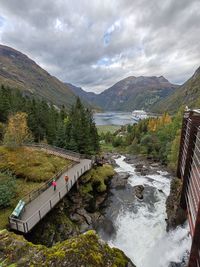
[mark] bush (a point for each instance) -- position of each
(7, 189)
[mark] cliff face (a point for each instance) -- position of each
(176, 215)
(83, 250)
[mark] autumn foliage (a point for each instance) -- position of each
(17, 131)
(156, 123)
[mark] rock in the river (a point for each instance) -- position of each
(123, 175)
(139, 167)
(119, 181)
(83, 250)
(138, 190)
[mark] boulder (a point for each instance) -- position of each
(84, 213)
(138, 190)
(118, 182)
(139, 167)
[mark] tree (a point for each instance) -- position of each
(7, 189)
(17, 131)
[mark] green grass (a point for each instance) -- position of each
(30, 164)
(107, 128)
(108, 147)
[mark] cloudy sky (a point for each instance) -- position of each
(95, 43)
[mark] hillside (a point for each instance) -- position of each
(136, 93)
(131, 93)
(86, 96)
(19, 71)
(186, 95)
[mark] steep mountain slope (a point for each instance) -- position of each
(87, 96)
(186, 95)
(135, 93)
(19, 71)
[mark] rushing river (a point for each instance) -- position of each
(141, 226)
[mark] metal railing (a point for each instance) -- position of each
(36, 192)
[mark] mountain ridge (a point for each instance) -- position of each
(17, 70)
(187, 94)
(130, 93)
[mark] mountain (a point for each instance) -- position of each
(19, 71)
(186, 95)
(134, 93)
(87, 96)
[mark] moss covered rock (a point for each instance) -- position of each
(96, 179)
(85, 250)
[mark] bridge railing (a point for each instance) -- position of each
(36, 192)
(63, 151)
(76, 156)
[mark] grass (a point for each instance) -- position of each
(107, 128)
(32, 168)
(108, 147)
(30, 164)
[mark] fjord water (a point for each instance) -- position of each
(113, 118)
(141, 226)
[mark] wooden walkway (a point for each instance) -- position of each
(37, 208)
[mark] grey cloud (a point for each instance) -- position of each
(67, 38)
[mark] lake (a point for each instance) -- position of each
(113, 118)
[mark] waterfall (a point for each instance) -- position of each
(141, 232)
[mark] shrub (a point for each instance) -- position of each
(7, 189)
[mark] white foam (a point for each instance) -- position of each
(142, 235)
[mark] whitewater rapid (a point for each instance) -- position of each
(142, 234)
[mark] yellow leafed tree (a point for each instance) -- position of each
(17, 131)
(155, 123)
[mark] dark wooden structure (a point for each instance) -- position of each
(189, 171)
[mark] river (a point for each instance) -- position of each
(140, 226)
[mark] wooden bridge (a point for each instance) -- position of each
(39, 202)
(189, 171)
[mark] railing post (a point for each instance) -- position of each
(17, 225)
(27, 226)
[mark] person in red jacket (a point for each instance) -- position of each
(54, 184)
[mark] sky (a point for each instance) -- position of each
(95, 43)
